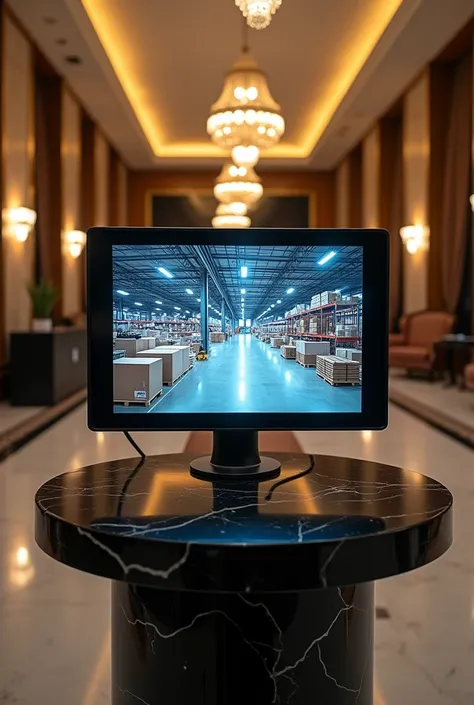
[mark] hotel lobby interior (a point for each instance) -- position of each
(354, 114)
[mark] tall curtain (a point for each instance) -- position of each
(457, 185)
(395, 223)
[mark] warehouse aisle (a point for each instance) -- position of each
(245, 374)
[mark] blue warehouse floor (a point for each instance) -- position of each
(245, 374)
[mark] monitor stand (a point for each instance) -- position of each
(235, 456)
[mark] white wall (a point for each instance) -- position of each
(101, 179)
(416, 156)
(342, 195)
(71, 175)
(18, 163)
(371, 179)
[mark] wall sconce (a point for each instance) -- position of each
(415, 237)
(471, 201)
(19, 222)
(75, 239)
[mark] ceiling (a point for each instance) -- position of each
(150, 69)
(271, 272)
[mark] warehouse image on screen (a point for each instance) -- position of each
(232, 329)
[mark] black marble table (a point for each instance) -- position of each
(243, 593)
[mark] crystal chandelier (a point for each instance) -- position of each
(258, 12)
(237, 183)
(231, 215)
(245, 115)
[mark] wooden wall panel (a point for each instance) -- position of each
(18, 163)
(88, 191)
(48, 176)
(440, 84)
(416, 170)
(71, 181)
(113, 189)
(354, 159)
(101, 166)
(342, 195)
(321, 186)
(371, 179)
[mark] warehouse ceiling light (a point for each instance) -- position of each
(165, 273)
(122, 292)
(19, 222)
(245, 115)
(279, 301)
(231, 215)
(158, 302)
(290, 290)
(244, 271)
(242, 291)
(190, 292)
(326, 258)
(237, 184)
(415, 237)
(258, 13)
(138, 304)
(177, 308)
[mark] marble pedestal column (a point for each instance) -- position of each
(296, 648)
(239, 593)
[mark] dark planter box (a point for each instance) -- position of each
(47, 367)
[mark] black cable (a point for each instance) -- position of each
(126, 485)
(285, 480)
(134, 444)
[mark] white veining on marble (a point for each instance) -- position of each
(275, 672)
(127, 567)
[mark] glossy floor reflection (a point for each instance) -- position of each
(255, 378)
(54, 623)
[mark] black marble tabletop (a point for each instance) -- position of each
(325, 522)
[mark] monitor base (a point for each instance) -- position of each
(203, 468)
(235, 456)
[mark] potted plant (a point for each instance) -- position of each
(43, 297)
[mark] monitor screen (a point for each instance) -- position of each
(214, 329)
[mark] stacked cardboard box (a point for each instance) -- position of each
(138, 379)
(329, 297)
(288, 352)
(216, 337)
(276, 342)
(316, 301)
(133, 346)
(173, 361)
(337, 370)
(307, 352)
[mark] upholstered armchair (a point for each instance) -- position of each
(422, 330)
(398, 338)
(469, 375)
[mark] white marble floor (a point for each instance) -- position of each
(54, 621)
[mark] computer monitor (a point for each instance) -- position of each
(210, 329)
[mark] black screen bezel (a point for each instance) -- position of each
(374, 414)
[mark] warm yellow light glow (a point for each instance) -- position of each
(114, 40)
(237, 184)
(231, 215)
(415, 237)
(22, 557)
(245, 112)
(246, 156)
(259, 13)
(75, 239)
(366, 436)
(19, 222)
(471, 201)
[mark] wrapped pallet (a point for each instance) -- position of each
(288, 352)
(338, 371)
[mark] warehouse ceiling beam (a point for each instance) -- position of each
(205, 256)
